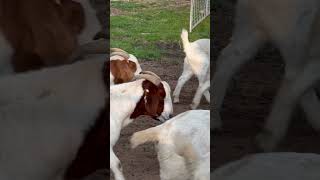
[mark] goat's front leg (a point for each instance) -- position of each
(185, 76)
(115, 166)
(245, 43)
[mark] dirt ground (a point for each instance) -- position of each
(249, 100)
(141, 163)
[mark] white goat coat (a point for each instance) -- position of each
(269, 166)
(183, 139)
(196, 62)
(44, 116)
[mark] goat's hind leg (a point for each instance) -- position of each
(185, 76)
(299, 59)
(203, 87)
(288, 95)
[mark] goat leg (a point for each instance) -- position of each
(277, 123)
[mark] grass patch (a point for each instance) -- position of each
(142, 26)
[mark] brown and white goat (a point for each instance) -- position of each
(38, 33)
(55, 110)
(55, 107)
(149, 96)
(123, 66)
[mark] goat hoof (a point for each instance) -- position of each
(193, 106)
(175, 100)
(266, 142)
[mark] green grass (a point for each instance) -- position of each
(140, 28)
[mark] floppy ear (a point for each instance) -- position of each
(53, 44)
(52, 38)
(132, 66)
(73, 13)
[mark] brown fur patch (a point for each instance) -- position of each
(154, 104)
(122, 70)
(41, 29)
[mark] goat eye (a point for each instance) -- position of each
(147, 91)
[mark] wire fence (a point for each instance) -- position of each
(199, 10)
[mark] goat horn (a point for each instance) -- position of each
(122, 54)
(117, 50)
(150, 73)
(152, 77)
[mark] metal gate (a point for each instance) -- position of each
(200, 9)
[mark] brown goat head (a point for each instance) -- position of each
(122, 70)
(151, 102)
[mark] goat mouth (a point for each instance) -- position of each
(160, 118)
(156, 118)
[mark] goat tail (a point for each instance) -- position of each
(148, 135)
(185, 38)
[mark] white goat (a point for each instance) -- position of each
(136, 98)
(45, 116)
(183, 145)
(292, 26)
(196, 62)
(266, 166)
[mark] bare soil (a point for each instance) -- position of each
(141, 163)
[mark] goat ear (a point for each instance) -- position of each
(132, 65)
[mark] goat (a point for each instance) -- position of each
(141, 97)
(123, 66)
(266, 166)
(197, 61)
(91, 153)
(48, 113)
(183, 145)
(44, 32)
(278, 22)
